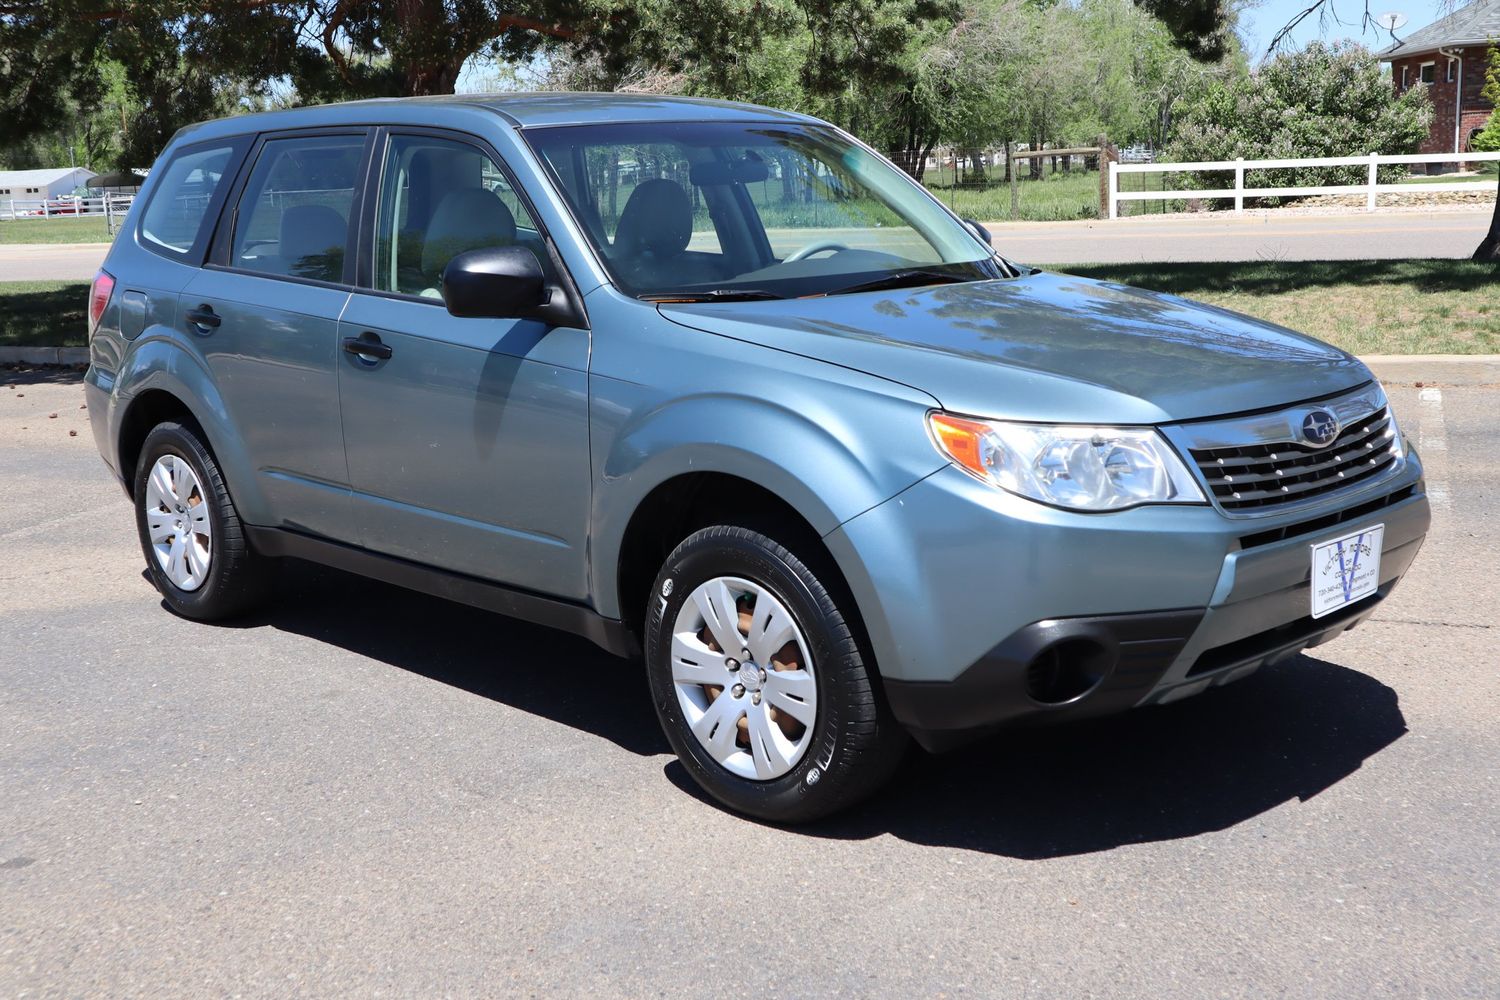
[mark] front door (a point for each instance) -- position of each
(267, 313)
(467, 439)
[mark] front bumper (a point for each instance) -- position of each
(970, 586)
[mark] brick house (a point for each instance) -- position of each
(1448, 57)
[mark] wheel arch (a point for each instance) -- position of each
(768, 465)
(163, 381)
(687, 502)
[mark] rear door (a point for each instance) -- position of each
(467, 438)
(266, 308)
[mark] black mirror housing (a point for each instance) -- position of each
(979, 230)
(494, 283)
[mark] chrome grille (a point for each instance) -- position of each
(1266, 474)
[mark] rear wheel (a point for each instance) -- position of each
(195, 546)
(759, 683)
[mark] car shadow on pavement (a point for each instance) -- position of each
(1286, 733)
(1205, 764)
(538, 670)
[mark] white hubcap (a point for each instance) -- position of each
(177, 521)
(744, 677)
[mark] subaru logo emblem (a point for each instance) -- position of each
(1319, 428)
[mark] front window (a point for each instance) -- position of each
(440, 198)
(748, 210)
(1429, 72)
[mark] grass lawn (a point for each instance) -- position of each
(1486, 172)
(43, 313)
(1059, 197)
(1366, 307)
(65, 229)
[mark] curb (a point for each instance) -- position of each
(1441, 369)
(44, 355)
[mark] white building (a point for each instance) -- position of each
(33, 185)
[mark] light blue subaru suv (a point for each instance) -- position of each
(719, 387)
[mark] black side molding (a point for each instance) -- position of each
(607, 633)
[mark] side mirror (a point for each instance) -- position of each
(979, 230)
(494, 282)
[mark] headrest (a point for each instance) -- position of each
(658, 217)
(465, 220)
(312, 242)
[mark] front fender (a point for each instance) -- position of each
(831, 457)
(158, 360)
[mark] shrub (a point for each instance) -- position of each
(1321, 101)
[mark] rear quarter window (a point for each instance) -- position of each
(186, 199)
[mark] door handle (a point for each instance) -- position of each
(203, 317)
(366, 346)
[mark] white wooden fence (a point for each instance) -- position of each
(66, 207)
(1239, 192)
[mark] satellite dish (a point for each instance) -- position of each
(1391, 21)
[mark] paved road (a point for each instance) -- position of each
(365, 793)
(1387, 235)
(50, 261)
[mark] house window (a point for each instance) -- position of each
(1405, 77)
(1429, 72)
(1452, 70)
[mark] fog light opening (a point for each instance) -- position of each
(1067, 671)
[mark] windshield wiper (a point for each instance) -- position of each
(900, 279)
(713, 295)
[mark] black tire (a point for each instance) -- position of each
(238, 578)
(856, 744)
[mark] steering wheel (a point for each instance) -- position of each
(816, 246)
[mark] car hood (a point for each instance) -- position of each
(1047, 347)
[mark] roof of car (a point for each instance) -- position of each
(525, 110)
(577, 108)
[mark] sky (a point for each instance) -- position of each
(1260, 24)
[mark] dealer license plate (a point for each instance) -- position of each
(1345, 569)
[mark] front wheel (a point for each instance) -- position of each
(759, 683)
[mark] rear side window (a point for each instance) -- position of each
(186, 197)
(293, 217)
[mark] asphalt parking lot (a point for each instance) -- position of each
(368, 793)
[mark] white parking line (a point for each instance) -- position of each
(1432, 437)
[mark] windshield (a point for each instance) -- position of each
(698, 210)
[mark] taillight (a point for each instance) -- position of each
(99, 293)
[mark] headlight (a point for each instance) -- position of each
(1078, 467)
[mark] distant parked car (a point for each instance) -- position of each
(66, 205)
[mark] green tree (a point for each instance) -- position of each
(1488, 140)
(857, 62)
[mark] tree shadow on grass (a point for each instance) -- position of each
(1206, 764)
(48, 317)
(1276, 277)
